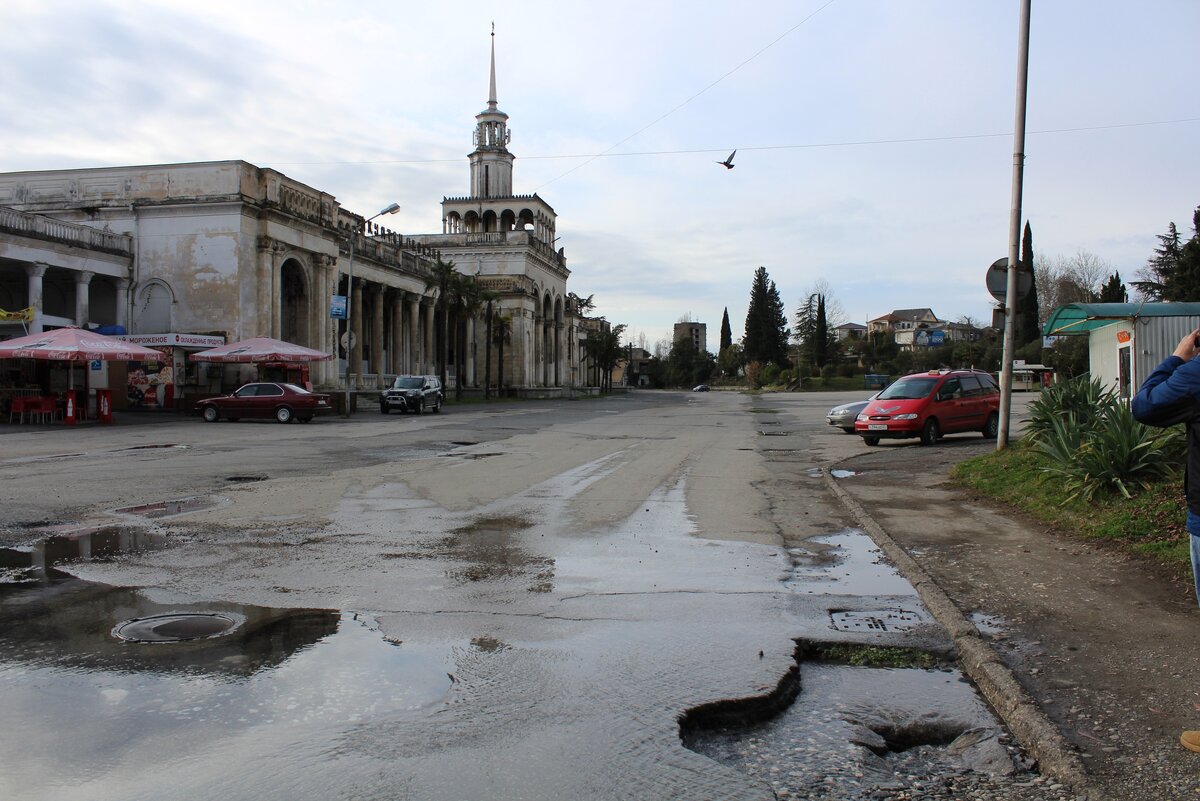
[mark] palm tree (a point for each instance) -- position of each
(501, 334)
(467, 304)
(604, 348)
(444, 279)
(487, 297)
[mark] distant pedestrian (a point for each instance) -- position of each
(1171, 395)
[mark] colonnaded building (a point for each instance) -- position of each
(184, 255)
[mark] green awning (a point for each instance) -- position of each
(1080, 318)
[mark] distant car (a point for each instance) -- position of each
(264, 400)
(412, 393)
(700, 388)
(843, 416)
(928, 405)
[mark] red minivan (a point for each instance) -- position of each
(928, 405)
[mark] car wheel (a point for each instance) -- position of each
(849, 430)
(437, 407)
(383, 408)
(283, 414)
(871, 441)
(991, 429)
(210, 414)
(930, 433)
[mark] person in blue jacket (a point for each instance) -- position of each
(1171, 395)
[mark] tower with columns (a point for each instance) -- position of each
(506, 241)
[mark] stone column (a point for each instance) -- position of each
(558, 353)
(36, 272)
(83, 282)
(264, 276)
(429, 360)
(468, 369)
(377, 365)
(123, 302)
(396, 351)
(354, 352)
(413, 319)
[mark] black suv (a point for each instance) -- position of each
(412, 393)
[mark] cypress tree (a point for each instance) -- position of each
(726, 331)
(766, 332)
(1029, 328)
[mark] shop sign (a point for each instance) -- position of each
(174, 340)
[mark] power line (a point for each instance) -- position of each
(662, 117)
(750, 148)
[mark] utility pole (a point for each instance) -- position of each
(1014, 230)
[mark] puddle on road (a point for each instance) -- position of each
(169, 508)
(259, 712)
(487, 550)
(851, 565)
(853, 732)
(992, 626)
(39, 561)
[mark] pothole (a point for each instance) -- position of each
(246, 478)
(871, 722)
(177, 627)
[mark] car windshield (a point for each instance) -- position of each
(909, 389)
(407, 382)
(299, 390)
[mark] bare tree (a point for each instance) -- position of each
(835, 313)
(1073, 279)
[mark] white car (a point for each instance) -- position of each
(843, 416)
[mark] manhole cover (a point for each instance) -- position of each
(177, 627)
(875, 620)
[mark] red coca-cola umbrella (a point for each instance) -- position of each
(260, 349)
(76, 345)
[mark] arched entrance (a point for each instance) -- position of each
(293, 306)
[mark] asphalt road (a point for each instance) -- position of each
(563, 580)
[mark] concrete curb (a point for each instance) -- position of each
(1019, 711)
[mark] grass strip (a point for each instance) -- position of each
(1151, 523)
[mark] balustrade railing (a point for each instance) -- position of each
(38, 226)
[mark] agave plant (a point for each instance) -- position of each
(1082, 400)
(1117, 454)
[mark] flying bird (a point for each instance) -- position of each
(728, 163)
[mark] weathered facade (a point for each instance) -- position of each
(230, 249)
(223, 248)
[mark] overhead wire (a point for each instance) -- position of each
(750, 148)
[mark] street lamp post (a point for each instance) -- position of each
(391, 209)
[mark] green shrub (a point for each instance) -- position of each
(770, 375)
(1094, 444)
(829, 371)
(1083, 400)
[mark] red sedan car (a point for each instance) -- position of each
(284, 402)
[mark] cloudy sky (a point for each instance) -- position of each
(874, 137)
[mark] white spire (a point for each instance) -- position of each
(492, 84)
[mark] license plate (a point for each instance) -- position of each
(877, 427)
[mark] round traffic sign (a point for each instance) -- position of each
(997, 280)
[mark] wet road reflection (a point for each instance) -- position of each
(252, 713)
